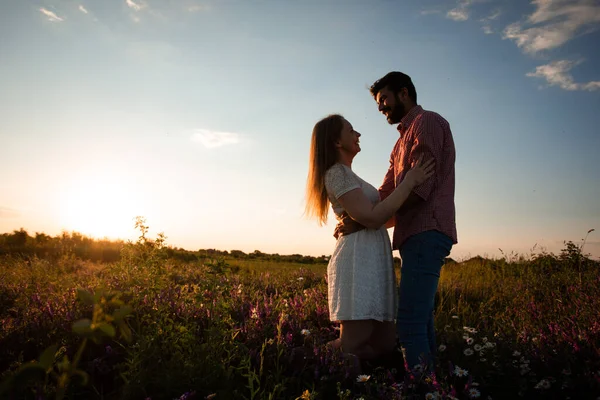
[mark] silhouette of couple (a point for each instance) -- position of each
(416, 198)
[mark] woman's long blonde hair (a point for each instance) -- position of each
(323, 155)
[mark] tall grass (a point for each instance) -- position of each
(229, 328)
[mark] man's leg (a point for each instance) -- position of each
(422, 259)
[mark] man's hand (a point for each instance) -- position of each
(346, 226)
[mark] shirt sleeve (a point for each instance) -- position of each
(389, 181)
(429, 138)
(338, 181)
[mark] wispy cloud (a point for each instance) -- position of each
(212, 139)
(82, 9)
(461, 12)
(136, 6)
(51, 15)
(198, 7)
(487, 29)
(6, 212)
(486, 22)
(557, 74)
(554, 23)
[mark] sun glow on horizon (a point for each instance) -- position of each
(100, 208)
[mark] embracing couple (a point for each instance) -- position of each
(416, 198)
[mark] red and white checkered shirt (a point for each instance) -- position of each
(424, 132)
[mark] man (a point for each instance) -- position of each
(425, 226)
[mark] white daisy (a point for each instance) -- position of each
(363, 378)
(543, 384)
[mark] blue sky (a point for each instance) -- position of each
(198, 115)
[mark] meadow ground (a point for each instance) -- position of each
(149, 327)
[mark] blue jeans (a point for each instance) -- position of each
(422, 259)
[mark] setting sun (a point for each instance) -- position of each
(99, 208)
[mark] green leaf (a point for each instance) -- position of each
(122, 312)
(6, 384)
(85, 296)
(32, 371)
(83, 327)
(47, 357)
(84, 376)
(107, 329)
(125, 331)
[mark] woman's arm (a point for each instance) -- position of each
(360, 208)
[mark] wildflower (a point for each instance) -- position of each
(418, 368)
(474, 393)
(516, 354)
(363, 378)
(470, 330)
(442, 347)
(455, 317)
(431, 396)
(458, 371)
(470, 341)
(543, 384)
(211, 396)
(254, 314)
(301, 278)
(468, 352)
(477, 347)
(305, 332)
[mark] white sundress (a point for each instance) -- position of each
(360, 273)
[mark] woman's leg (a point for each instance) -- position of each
(383, 338)
(355, 337)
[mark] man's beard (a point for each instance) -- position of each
(396, 115)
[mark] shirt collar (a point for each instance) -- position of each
(409, 118)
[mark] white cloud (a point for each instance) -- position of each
(557, 74)
(487, 29)
(553, 23)
(212, 139)
(198, 7)
(136, 6)
(82, 9)
(461, 12)
(51, 15)
(494, 15)
(458, 14)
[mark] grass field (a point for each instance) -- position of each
(224, 328)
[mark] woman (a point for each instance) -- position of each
(361, 280)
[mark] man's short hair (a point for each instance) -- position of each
(395, 81)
